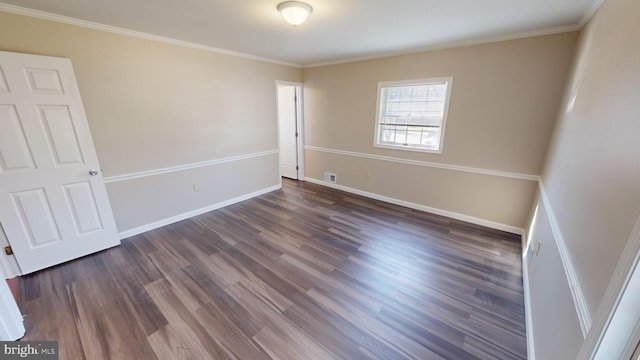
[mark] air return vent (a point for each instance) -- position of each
(329, 177)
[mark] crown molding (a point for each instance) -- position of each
(457, 44)
(442, 46)
(589, 15)
(136, 34)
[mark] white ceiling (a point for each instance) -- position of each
(336, 31)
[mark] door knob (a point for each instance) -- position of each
(93, 172)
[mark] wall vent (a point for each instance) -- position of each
(329, 177)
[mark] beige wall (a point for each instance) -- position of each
(477, 195)
(242, 177)
(152, 105)
(504, 102)
(592, 172)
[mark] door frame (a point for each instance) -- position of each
(299, 125)
(8, 265)
(11, 321)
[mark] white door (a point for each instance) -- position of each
(53, 202)
(287, 125)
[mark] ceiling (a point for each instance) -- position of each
(336, 31)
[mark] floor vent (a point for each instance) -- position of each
(329, 177)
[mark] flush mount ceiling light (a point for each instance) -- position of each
(295, 12)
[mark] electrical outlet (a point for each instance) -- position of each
(196, 187)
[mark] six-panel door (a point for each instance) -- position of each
(51, 208)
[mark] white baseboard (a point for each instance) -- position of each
(164, 222)
(451, 214)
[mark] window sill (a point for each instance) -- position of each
(409, 148)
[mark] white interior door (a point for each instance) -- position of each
(53, 202)
(287, 125)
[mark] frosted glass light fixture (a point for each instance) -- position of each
(295, 12)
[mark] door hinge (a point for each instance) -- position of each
(297, 168)
(8, 250)
(297, 135)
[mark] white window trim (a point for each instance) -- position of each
(448, 80)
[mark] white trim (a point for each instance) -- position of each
(131, 176)
(531, 354)
(584, 316)
(141, 35)
(8, 265)
(136, 34)
(287, 82)
(450, 214)
(457, 44)
(301, 132)
(468, 169)
(589, 15)
(628, 263)
(11, 322)
(528, 315)
(633, 348)
(160, 223)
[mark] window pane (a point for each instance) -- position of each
(393, 95)
(420, 93)
(405, 94)
(418, 108)
(414, 104)
(388, 135)
(431, 138)
(411, 115)
(434, 107)
(404, 109)
(413, 136)
(392, 109)
(427, 137)
(401, 136)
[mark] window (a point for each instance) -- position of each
(412, 114)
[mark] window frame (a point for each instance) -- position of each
(400, 83)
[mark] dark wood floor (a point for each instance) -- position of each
(306, 272)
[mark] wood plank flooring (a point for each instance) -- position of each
(306, 272)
